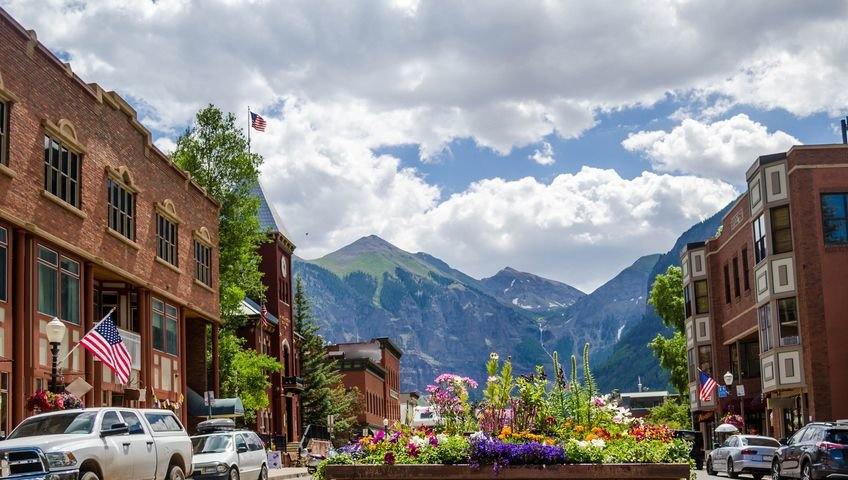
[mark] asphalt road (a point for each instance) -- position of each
(702, 475)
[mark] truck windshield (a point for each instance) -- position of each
(211, 444)
(79, 422)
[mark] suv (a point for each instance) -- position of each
(816, 451)
(222, 452)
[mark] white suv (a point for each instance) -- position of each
(229, 454)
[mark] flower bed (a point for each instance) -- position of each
(525, 427)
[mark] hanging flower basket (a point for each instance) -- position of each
(42, 401)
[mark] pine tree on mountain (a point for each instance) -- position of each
(323, 392)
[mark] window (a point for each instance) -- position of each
(788, 319)
(746, 270)
(702, 298)
(705, 359)
(166, 234)
(253, 442)
(726, 284)
(163, 422)
(133, 422)
(4, 122)
(760, 250)
(121, 209)
(110, 419)
(61, 171)
(241, 444)
(164, 327)
(766, 342)
(4, 264)
(835, 218)
(781, 230)
(687, 299)
(736, 276)
(750, 359)
(734, 360)
(202, 263)
(58, 286)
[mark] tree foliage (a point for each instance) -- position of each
(673, 413)
(324, 393)
(215, 152)
(667, 299)
(244, 373)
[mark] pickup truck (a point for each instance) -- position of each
(97, 444)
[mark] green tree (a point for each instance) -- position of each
(323, 393)
(215, 152)
(244, 373)
(672, 413)
(667, 298)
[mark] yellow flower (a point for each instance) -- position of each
(579, 428)
(590, 437)
(372, 447)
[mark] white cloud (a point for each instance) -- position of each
(545, 155)
(724, 149)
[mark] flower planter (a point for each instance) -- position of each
(642, 471)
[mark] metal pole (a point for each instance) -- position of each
(54, 373)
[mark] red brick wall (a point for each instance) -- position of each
(105, 129)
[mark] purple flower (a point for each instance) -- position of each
(434, 441)
(394, 437)
(389, 458)
(488, 451)
(379, 436)
(413, 450)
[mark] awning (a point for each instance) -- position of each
(222, 408)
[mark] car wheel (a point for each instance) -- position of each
(806, 471)
(730, 472)
(176, 473)
(757, 476)
(263, 474)
(233, 474)
(775, 470)
(710, 469)
(89, 475)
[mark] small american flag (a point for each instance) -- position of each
(105, 342)
(257, 122)
(708, 386)
(264, 316)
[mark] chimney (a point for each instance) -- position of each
(844, 130)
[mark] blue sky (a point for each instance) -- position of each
(565, 139)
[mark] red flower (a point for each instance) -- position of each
(389, 458)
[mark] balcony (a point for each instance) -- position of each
(293, 384)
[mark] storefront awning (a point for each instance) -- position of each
(221, 408)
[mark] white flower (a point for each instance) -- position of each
(442, 437)
(493, 356)
(419, 441)
(599, 443)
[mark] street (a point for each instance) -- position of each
(702, 475)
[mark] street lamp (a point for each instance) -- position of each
(385, 425)
(55, 335)
(728, 380)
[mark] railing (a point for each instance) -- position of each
(294, 384)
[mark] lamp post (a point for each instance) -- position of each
(55, 335)
(385, 425)
(728, 380)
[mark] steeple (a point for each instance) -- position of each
(268, 216)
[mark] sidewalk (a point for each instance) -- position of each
(288, 473)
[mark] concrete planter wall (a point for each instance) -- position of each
(641, 471)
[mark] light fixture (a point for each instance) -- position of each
(728, 379)
(55, 335)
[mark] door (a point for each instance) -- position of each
(141, 449)
(243, 452)
(257, 451)
(119, 462)
(792, 458)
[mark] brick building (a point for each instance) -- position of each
(276, 337)
(93, 216)
(765, 298)
(373, 367)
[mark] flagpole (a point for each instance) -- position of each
(248, 129)
(62, 361)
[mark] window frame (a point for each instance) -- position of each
(760, 245)
(5, 107)
(765, 328)
(834, 219)
(61, 276)
(779, 230)
(168, 315)
(4, 266)
(167, 249)
(701, 309)
(54, 172)
(120, 220)
(687, 299)
(788, 323)
(726, 284)
(202, 262)
(746, 270)
(705, 358)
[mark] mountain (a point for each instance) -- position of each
(630, 359)
(372, 288)
(600, 317)
(530, 292)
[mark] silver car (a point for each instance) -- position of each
(231, 455)
(743, 454)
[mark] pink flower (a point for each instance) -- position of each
(379, 436)
(413, 450)
(389, 458)
(434, 441)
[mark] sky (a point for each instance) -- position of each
(561, 138)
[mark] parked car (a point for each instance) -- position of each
(98, 444)
(743, 454)
(816, 451)
(697, 440)
(223, 452)
(424, 416)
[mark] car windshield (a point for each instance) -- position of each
(79, 422)
(211, 444)
(837, 436)
(761, 442)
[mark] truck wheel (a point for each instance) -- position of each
(88, 476)
(263, 474)
(176, 473)
(233, 474)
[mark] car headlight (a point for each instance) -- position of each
(61, 459)
(213, 468)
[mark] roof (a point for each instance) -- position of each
(251, 309)
(268, 216)
(648, 394)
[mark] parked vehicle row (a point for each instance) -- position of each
(751, 454)
(223, 452)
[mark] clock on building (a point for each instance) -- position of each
(283, 268)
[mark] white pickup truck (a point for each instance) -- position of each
(97, 444)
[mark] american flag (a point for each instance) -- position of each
(708, 386)
(105, 342)
(257, 122)
(264, 316)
